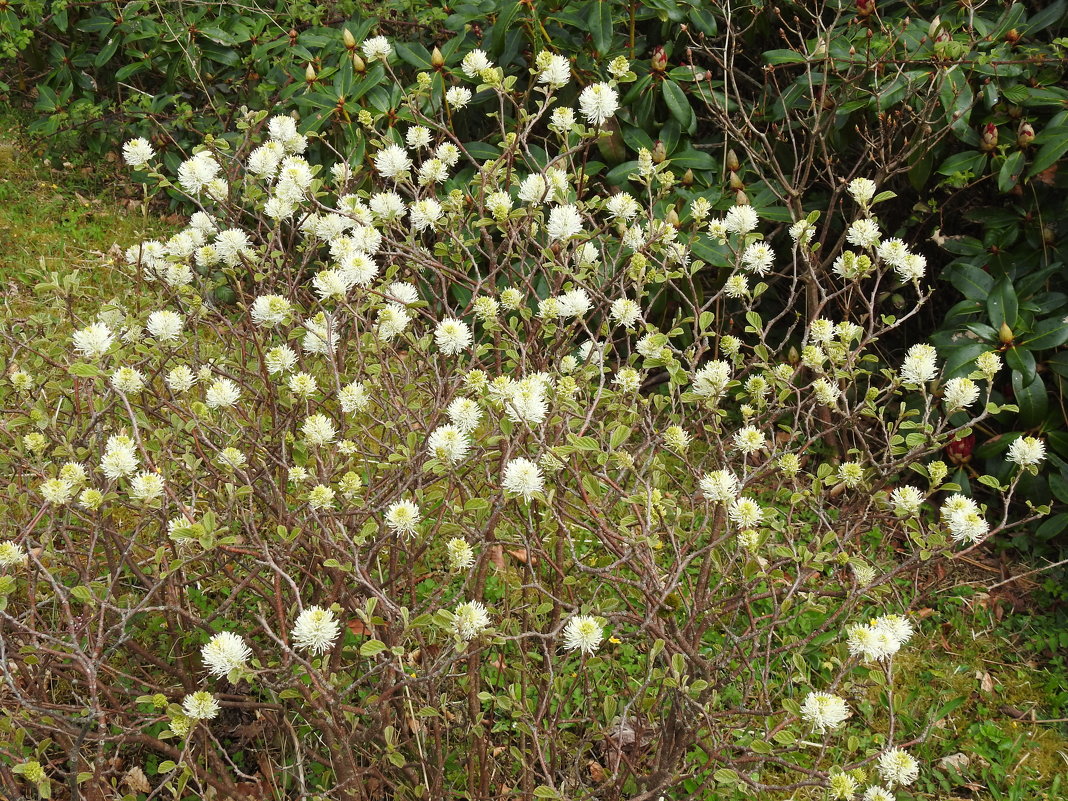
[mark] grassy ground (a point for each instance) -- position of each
(996, 660)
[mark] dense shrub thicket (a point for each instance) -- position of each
(486, 481)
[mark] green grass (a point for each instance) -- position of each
(54, 218)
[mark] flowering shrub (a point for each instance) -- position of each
(439, 510)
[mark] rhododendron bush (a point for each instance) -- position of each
(441, 507)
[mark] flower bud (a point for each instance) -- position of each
(672, 217)
(348, 39)
(658, 62)
(932, 29)
(1025, 135)
(865, 8)
(1012, 37)
(659, 152)
(989, 139)
(960, 450)
(309, 73)
(732, 161)
(358, 64)
(437, 61)
(741, 198)
(687, 178)
(736, 181)
(1005, 335)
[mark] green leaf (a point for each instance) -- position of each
(600, 26)
(785, 57)
(693, 159)
(970, 161)
(1009, 174)
(1032, 399)
(1022, 361)
(1002, 304)
(971, 282)
(372, 647)
(85, 370)
(678, 104)
(1056, 145)
(1047, 334)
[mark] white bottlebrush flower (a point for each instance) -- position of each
(749, 439)
(893, 251)
(461, 554)
(353, 397)
(417, 137)
(711, 380)
(912, 268)
(677, 438)
(321, 497)
(843, 786)
(93, 341)
(119, 458)
(179, 378)
(989, 363)
(452, 336)
(196, 173)
(320, 335)
(622, 206)
(146, 486)
(719, 486)
(920, 365)
(222, 394)
(57, 491)
(564, 223)
(280, 359)
(403, 517)
(740, 219)
(824, 711)
(802, 232)
(870, 642)
(315, 630)
(897, 766)
(745, 513)
(474, 62)
(376, 48)
(127, 380)
(625, 312)
(583, 633)
(387, 206)
(862, 190)
(424, 214)
(393, 162)
(448, 443)
(393, 319)
(574, 304)
(138, 152)
(12, 554)
(863, 233)
(959, 393)
(1026, 451)
(225, 652)
(555, 70)
(522, 477)
(826, 392)
(231, 459)
(962, 517)
(737, 286)
(758, 258)
(464, 413)
(898, 627)
(200, 705)
(331, 284)
(906, 501)
(318, 430)
(598, 103)
(470, 619)
(270, 310)
(457, 97)
(165, 325)
(877, 793)
(74, 473)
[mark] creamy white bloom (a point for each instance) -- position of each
(863, 233)
(598, 103)
(622, 206)
(280, 359)
(555, 71)
(464, 413)
(758, 258)
(146, 486)
(315, 630)
(138, 152)
(961, 515)
(225, 652)
(393, 162)
(222, 394)
(711, 380)
(583, 633)
(522, 477)
(893, 251)
(470, 619)
(912, 268)
(418, 136)
(740, 219)
(403, 517)
(749, 439)
(870, 642)
(906, 500)
(452, 336)
(474, 62)
(719, 486)
(448, 443)
(376, 48)
(920, 365)
(387, 206)
(353, 397)
(862, 190)
(128, 380)
(165, 325)
(896, 766)
(196, 173)
(824, 711)
(625, 312)
(12, 554)
(1026, 451)
(745, 512)
(959, 393)
(318, 430)
(461, 554)
(270, 310)
(200, 705)
(564, 222)
(57, 491)
(877, 793)
(424, 214)
(458, 96)
(93, 341)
